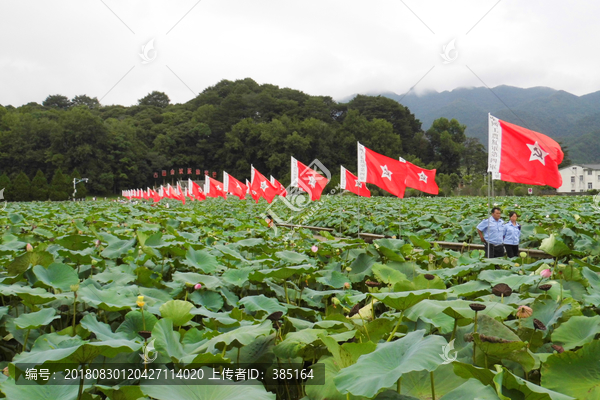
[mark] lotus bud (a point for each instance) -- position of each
(571, 262)
(74, 287)
(94, 262)
(314, 249)
(523, 254)
(346, 285)
(335, 301)
(446, 260)
(546, 273)
(524, 312)
(197, 286)
(29, 247)
(348, 269)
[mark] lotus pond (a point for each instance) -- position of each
(209, 283)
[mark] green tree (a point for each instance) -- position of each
(57, 101)
(59, 187)
(83, 100)
(21, 187)
(446, 139)
(5, 187)
(157, 99)
(39, 187)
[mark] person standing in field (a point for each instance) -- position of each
(491, 232)
(512, 235)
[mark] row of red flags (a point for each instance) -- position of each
(515, 154)
(398, 174)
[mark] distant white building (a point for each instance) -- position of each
(580, 178)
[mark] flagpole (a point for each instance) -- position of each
(358, 208)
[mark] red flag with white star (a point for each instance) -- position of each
(233, 186)
(261, 187)
(196, 190)
(308, 180)
(380, 170)
(350, 182)
(213, 188)
(517, 154)
(420, 178)
(280, 188)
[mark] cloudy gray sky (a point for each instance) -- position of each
(324, 47)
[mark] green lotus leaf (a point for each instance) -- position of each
(56, 275)
(577, 331)
(261, 303)
(134, 323)
(36, 319)
(554, 246)
(390, 361)
(218, 390)
(405, 300)
(467, 389)
(237, 337)
(207, 298)
(21, 263)
(166, 340)
(178, 311)
(100, 329)
(118, 248)
(201, 260)
(23, 391)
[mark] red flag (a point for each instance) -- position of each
(196, 190)
(420, 178)
(308, 179)
(350, 182)
(280, 188)
(516, 154)
(153, 195)
(385, 172)
(233, 186)
(213, 188)
(180, 195)
(247, 187)
(261, 187)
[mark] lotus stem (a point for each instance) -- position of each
(454, 330)
(287, 299)
(143, 319)
(81, 383)
(25, 341)
(74, 312)
(432, 385)
(395, 327)
(474, 344)
(531, 339)
(399, 385)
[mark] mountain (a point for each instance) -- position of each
(572, 120)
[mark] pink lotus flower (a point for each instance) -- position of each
(197, 286)
(29, 247)
(314, 249)
(546, 273)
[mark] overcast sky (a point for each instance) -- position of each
(322, 47)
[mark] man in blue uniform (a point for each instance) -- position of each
(491, 232)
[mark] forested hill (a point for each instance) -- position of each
(572, 120)
(227, 127)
